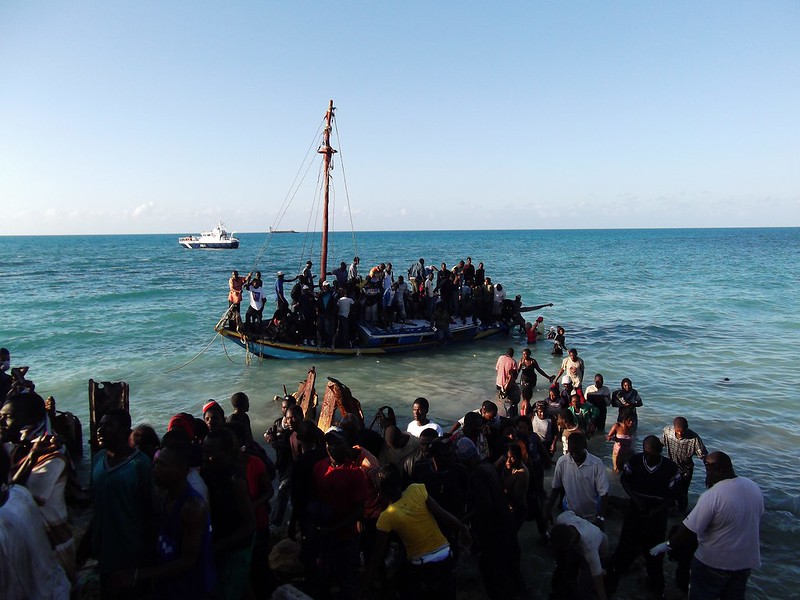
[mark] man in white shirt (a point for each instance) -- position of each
(421, 421)
(726, 521)
(345, 304)
(599, 395)
(580, 479)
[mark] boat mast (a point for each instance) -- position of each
(327, 163)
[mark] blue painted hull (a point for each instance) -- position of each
(373, 341)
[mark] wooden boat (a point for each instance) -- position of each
(371, 338)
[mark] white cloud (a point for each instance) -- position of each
(142, 209)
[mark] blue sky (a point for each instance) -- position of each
(147, 117)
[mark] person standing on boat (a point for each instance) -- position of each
(257, 301)
(235, 285)
(430, 296)
(345, 303)
(306, 277)
(468, 272)
(280, 299)
(352, 270)
(326, 315)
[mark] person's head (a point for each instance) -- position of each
(509, 352)
(145, 439)
(561, 330)
(171, 465)
(574, 399)
(499, 287)
(576, 447)
(513, 456)
(469, 260)
(113, 430)
(566, 419)
(541, 409)
(287, 401)
(539, 319)
(444, 267)
(19, 412)
(680, 425)
(219, 450)
(652, 446)
(235, 275)
(308, 264)
(356, 260)
(336, 445)
(389, 481)
(294, 416)
(182, 422)
(213, 415)
(473, 422)
(563, 537)
(420, 409)
(426, 438)
(467, 452)
(488, 410)
(718, 467)
(553, 393)
(524, 427)
(240, 402)
(627, 417)
(309, 435)
(526, 353)
(627, 385)
(566, 382)
(50, 406)
(5, 359)
(573, 353)
(598, 380)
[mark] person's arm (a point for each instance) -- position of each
(40, 447)
(556, 496)
(447, 519)
(683, 537)
(542, 373)
(700, 448)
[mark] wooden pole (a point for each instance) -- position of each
(327, 153)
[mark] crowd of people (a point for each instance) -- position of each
(376, 513)
(327, 314)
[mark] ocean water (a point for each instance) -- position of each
(704, 321)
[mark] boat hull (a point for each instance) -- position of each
(198, 245)
(414, 336)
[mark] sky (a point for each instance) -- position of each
(164, 117)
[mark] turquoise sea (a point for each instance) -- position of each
(704, 321)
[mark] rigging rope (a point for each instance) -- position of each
(346, 191)
(216, 335)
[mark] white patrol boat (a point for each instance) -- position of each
(216, 239)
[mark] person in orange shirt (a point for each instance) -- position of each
(235, 285)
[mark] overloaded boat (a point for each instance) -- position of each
(216, 239)
(282, 337)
